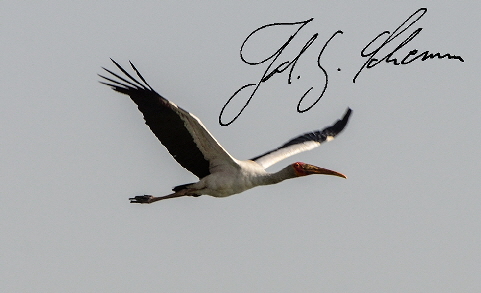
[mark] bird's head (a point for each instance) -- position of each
(303, 169)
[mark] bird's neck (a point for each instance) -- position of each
(273, 178)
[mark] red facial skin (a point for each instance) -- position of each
(298, 168)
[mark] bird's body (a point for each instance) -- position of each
(227, 180)
(193, 147)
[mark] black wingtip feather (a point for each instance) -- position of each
(340, 124)
(140, 75)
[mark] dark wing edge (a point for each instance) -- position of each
(163, 119)
(305, 141)
(327, 133)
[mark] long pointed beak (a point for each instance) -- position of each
(311, 169)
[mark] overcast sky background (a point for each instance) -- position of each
(72, 151)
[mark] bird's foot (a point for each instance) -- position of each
(142, 199)
(150, 199)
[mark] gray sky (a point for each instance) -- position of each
(72, 151)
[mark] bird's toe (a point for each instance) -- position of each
(141, 199)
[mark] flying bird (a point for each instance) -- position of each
(195, 149)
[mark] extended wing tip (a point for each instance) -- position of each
(345, 118)
(116, 64)
(348, 112)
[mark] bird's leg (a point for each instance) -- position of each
(150, 199)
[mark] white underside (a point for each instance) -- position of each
(229, 180)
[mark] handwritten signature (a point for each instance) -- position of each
(272, 70)
(371, 62)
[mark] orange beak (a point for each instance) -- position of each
(311, 169)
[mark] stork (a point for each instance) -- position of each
(195, 149)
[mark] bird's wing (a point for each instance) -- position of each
(302, 143)
(184, 136)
